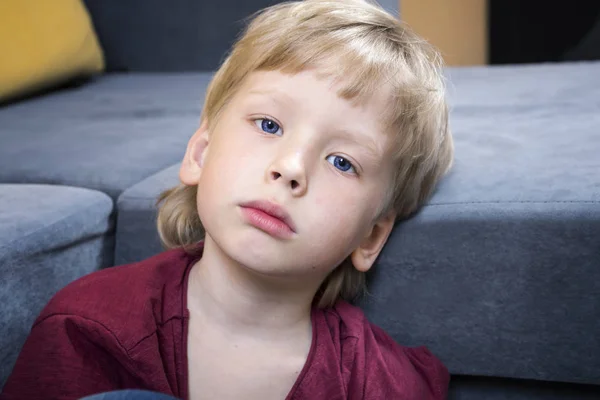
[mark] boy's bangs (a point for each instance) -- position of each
(358, 69)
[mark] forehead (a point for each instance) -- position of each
(359, 91)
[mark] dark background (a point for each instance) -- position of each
(529, 31)
(173, 36)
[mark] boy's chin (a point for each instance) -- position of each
(261, 251)
(265, 255)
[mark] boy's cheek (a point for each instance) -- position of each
(320, 201)
(337, 211)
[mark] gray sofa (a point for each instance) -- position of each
(499, 275)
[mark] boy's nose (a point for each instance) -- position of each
(289, 170)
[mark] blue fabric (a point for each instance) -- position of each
(130, 395)
(106, 135)
(49, 236)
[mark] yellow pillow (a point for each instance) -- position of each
(44, 43)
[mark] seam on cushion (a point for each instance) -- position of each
(515, 202)
(455, 203)
(54, 223)
(137, 198)
(142, 180)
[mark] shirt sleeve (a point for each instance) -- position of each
(67, 357)
(396, 372)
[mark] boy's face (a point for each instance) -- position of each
(290, 142)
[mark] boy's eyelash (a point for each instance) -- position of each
(353, 165)
(260, 124)
(259, 117)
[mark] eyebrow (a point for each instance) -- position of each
(373, 151)
(274, 95)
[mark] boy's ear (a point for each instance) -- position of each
(193, 160)
(370, 247)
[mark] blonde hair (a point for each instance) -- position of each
(364, 48)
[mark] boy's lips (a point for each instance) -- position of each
(269, 217)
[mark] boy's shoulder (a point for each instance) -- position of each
(350, 321)
(380, 362)
(133, 297)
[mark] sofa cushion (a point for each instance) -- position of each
(49, 236)
(499, 274)
(106, 135)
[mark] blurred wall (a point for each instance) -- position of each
(457, 27)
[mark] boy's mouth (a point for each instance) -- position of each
(269, 217)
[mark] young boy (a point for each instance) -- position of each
(325, 124)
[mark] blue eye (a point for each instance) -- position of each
(268, 126)
(341, 163)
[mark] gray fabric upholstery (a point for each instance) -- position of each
(137, 237)
(499, 274)
(496, 289)
(556, 86)
(106, 135)
(49, 236)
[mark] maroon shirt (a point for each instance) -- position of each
(126, 327)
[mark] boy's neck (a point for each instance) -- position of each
(227, 294)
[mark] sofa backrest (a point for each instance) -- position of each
(178, 35)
